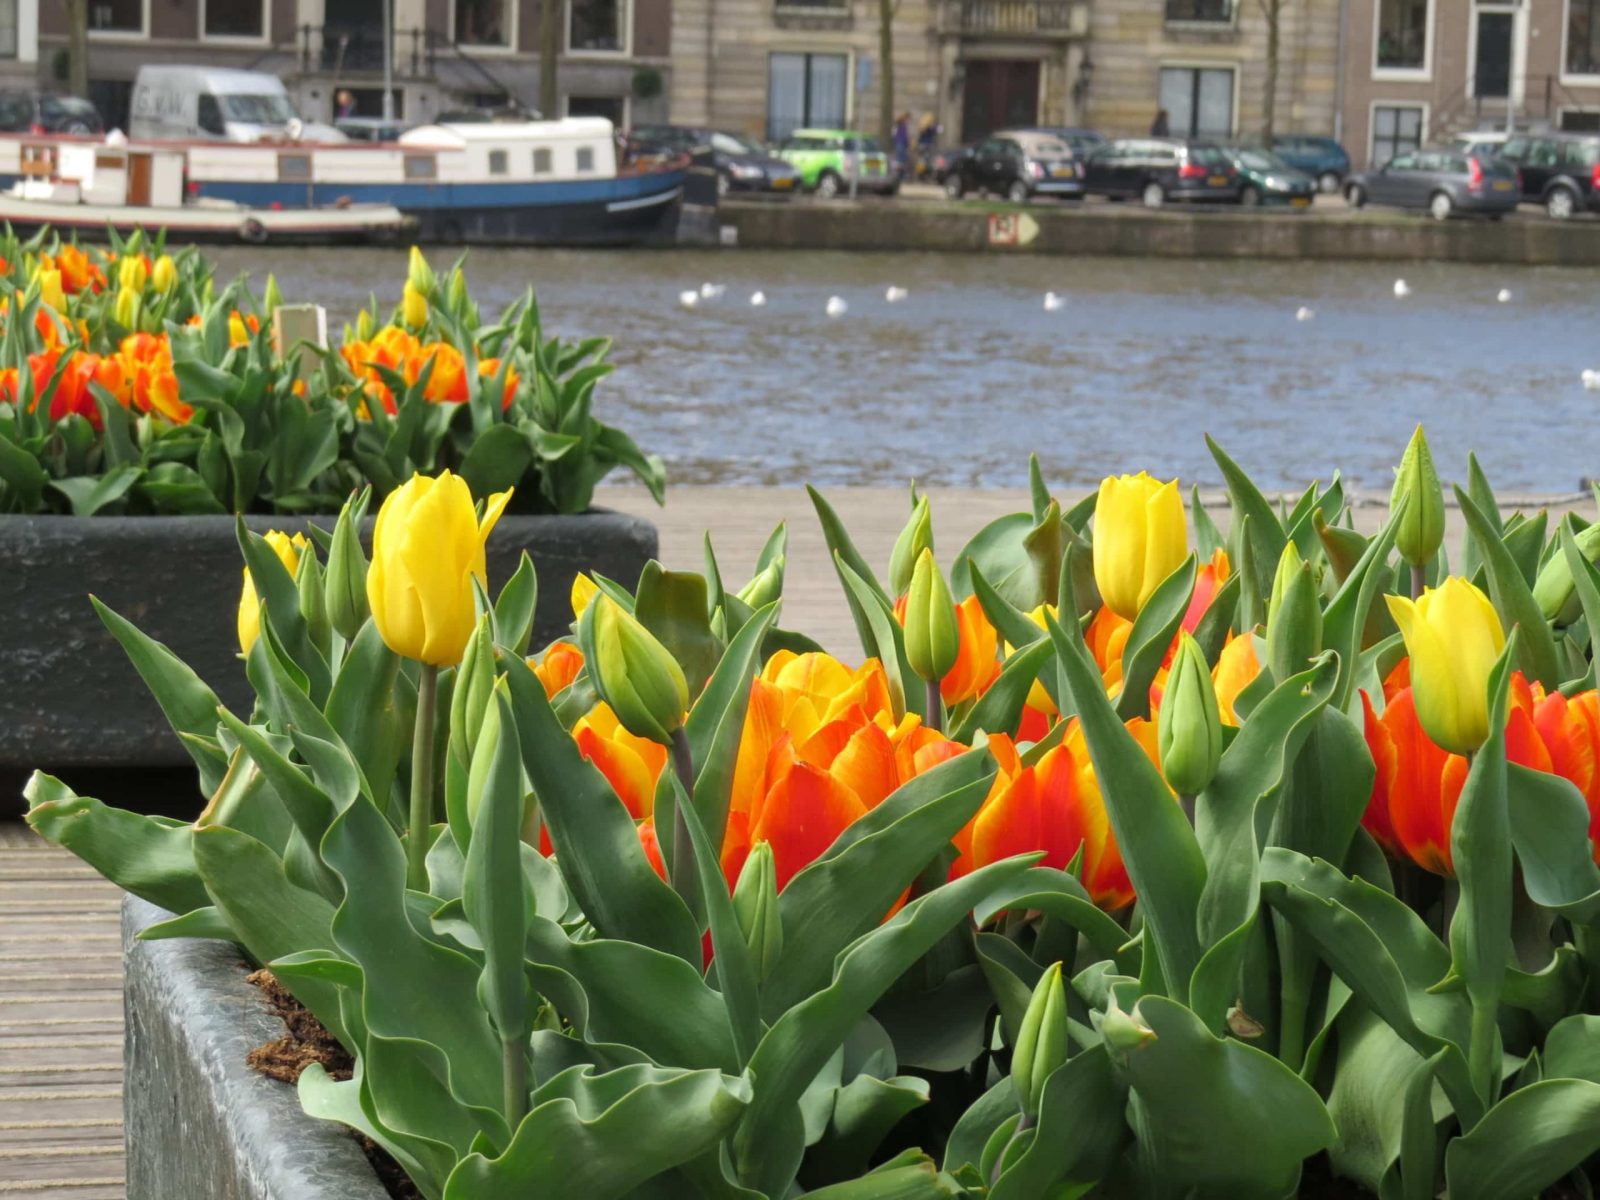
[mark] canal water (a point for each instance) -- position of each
(960, 381)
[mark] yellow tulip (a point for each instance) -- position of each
(414, 308)
(1038, 696)
(165, 274)
(1139, 539)
(50, 290)
(131, 273)
(583, 591)
(1454, 638)
(427, 547)
(127, 308)
(288, 549)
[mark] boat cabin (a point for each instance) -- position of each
(85, 172)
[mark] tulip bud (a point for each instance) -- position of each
(346, 577)
(313, 601)
(933, 640)
(1189, 727)
(1454, 638)
(131, 272)
(288, 549)
(1294, 616)
(755, 905)
(127, 309)
(480, 768)
(419, 274)
(635, 674)
(1421, 530)
(1140, 537)
(364, 326)
(458, 298)
(765, 587)
(164, 275)
(1554, 589)
(473, 691)
(1042, 1041)
(272, 297)
(50, 290)
(414, 308)
(583, 591)
(916, 537)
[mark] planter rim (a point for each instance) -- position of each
(124, 519)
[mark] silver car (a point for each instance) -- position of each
(1441, 182)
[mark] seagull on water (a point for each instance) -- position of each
(836, 307)
(710, 291)
(1303, 313)
(1052, 301)
(758, 299)
(689, 299)
(893, 295)
(1504, 296)
(1402, 289)
(1591, 380)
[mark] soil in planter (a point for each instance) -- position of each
(305, 1042)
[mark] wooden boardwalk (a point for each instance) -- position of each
(60, 966)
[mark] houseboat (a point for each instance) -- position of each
(530, 182)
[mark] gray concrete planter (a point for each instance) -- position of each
(68, 696)
(200, 1122)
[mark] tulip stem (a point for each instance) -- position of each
(514, 1056)
(422, 779)
(683, 867)
(1419, 580)
(935, 717)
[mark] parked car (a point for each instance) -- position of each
(1160, 169)
(1483, 142)
(827, 158)
(371, 129)
(1559, 170)
(944, 163)
(1442, 182)
(1322, 158)
(1018, 165)
(743, 165)
(1082, 141)
(32, 111)
(1264, 178)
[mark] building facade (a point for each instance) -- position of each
(19, 41)
(1421, 70)
(1203, 62)
(447, 53)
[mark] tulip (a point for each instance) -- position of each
(632, 765)
(132, 273)
(932, 638)
(635, 674)
(165, 274)
(1139, 539)
(488, 368)
(1421, 529)
(766, 586)
(976, 666)
(755, 906)
(1041, 1042)
(447, 381)
(916, 537)
(1189, 725)
(272, 295)
(346, 579)
(419, 275)
(1237, 667)
(427, 548)
(288, 549)
(50, 290)
(241, 328)
(413, 308)
(1554, 589)
(479, 756)
(1038, 694)
(583, 591)
(800, 814)
(1570, 730)
(560, 666)
(1294, 616)
(1453, 637)
(127, 308)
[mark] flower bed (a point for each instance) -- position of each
(1133, 858)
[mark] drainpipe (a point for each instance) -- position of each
(1338, 80)
(711, 68)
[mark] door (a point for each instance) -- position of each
(998, 93)
(1491, 76)
(138, 178)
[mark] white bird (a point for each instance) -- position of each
(893, 295)
(710, 291)
(1591, 380)
(1303, 313)
(1053, 301)
(1402, 289)
(836, 307)
(1504, 295)
(758, 299)
(689, 299)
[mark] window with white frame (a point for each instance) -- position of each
(1396, 129)
(1402, 35)
(1216, 12)
(597, 26)
(805, 90)
(116, 16)
(483, 22)
(235, 19)
(1583, 37)
(1198, 101)
(8, 28)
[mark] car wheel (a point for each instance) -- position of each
(1355, 196)
(1249, 196)
(953, 186)
(892, 190)
(1561, 203)
(1018, 192)
(1328, 183)
(1440, 206)
(1154, 195)
(828, 185)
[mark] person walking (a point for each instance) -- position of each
(902, 142)
(1160, 126)
(927, 143)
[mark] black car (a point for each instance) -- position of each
(1444, 182)
(32, 111)
(1559, 170)
(742, 165)
(1017, 164)
(1157, 170)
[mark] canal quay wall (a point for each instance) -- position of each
(1172, 232)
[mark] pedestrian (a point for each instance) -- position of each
(1160, 127)
(344, 104)
(927, 142)
(902, 141)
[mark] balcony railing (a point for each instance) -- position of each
(1218, 12)
(1053, 17)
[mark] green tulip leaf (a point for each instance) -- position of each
(1264, 530)
(1375, 1089)
(1345, 620)
(515, 606)
(1513, 598)
(1151, 637)
(1526, 1142)
(1586, 583)
(847, 561)
(1080, 1132)
(672, 606)
(999, 710)
(1550, 830)
(888, 643)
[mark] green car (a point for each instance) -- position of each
(826, 159)
(1264, 178)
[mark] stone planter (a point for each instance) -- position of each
(70, 698)
(200, 1122)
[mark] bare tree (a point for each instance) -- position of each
(551, 15)
(886, 12)
(1273, 11)
(77, 46)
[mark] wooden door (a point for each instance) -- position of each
(999, 94)
(138, 178)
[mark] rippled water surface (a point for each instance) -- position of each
(959, 382)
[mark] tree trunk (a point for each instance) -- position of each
(1269, 101)
(78, 47)
(886, 71)
(552, 14)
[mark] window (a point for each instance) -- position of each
(1583, 37)
(497, 162)
(235, 18)
(1403, 162)
(483, 23)
(597, 27)
(1577, 120)
(116, 16)
(1396, 129)
(1198, 101)
(1403, 35)
(208, 115)
(294, 168)
(8, 28)
(585, 158)
(805, 89)
(1216, 11)
(421, 166)
(1583, 156)
(541, 161)
(1543, 153)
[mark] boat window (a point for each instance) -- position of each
(294, 168)
(541, 161)
(421, 166)
(585, 158)
(497, 162)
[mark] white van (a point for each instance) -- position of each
(207, 103)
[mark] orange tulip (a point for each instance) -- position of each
(977, 665)
(632, 765)
(447, 384)
(150, 384)
(1237, 666)
(1107, 635)
(78, 273)
(651, 845)
(242, 327)
(1570, 728)
(560, 666)
(72, 394)
(488, 368)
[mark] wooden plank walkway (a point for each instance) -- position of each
(60, 966)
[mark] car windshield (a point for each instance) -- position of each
(75, 106)
(870, 145)
(1207, 155)
(1260, 160)
(258, 110)
(729, 143)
